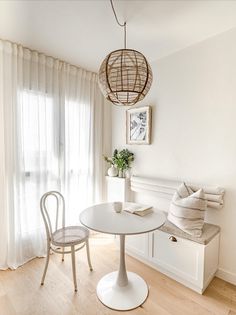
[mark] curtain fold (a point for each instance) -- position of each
(51, 137)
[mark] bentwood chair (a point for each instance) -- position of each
(60, 237)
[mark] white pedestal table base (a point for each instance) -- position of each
(125, 297)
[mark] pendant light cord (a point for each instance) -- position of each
(122, 25)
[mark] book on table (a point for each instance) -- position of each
(137, 209)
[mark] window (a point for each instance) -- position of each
(54, 153)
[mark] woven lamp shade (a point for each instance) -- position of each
(125, 77)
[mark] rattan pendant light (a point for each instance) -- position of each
(125, 76)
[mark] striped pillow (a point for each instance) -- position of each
(187, 210)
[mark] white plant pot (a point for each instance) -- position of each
(121, 173)
(112, 171)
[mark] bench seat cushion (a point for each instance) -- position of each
(208, 232)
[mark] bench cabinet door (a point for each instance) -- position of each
(179, 256)
(137, 244)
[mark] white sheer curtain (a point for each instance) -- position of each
(51, 137)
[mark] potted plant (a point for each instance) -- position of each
(120, 160)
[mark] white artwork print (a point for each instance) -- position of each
(138, 126)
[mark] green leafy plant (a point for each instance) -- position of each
(120, 159)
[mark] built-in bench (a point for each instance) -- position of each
(192, 261)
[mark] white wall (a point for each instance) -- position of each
(193, 98)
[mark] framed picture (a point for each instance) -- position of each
(138, 125)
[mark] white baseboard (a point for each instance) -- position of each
(226, 275)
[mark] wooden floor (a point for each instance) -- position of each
(21, 293)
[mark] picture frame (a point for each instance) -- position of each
(138, 125)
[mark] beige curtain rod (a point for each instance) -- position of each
(39, 52)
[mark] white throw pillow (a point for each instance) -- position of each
(187, 210)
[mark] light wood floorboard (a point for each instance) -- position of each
(21, 293)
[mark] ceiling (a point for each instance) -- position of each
(83, 32)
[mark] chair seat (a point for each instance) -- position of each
(70, 235)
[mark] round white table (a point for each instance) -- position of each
(121, 290)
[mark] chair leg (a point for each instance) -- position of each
(46, 265)
(73, 266)
(88, 255)
(63, 249)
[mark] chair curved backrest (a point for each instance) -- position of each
(46, 210)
